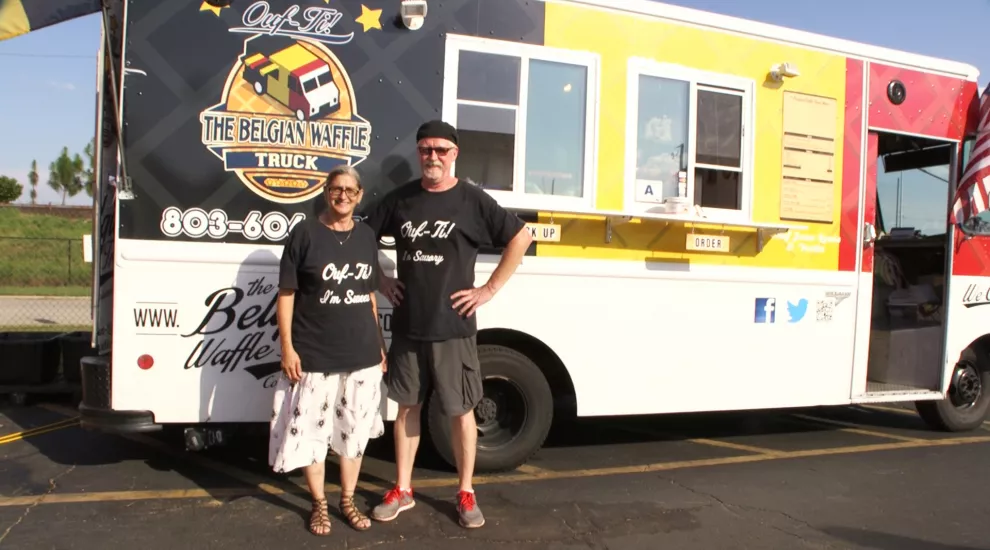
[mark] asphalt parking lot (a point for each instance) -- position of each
(843, 477)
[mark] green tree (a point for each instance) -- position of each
(10, 190)
(33, 180)
(89, 174)
(65, 174)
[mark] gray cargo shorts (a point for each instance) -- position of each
(450, 367)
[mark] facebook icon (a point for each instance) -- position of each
(766, 312)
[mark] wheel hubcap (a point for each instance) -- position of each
(487, 411)
(967, 387)
(500, 414)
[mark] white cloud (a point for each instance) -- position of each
(659, 167)
(67, 86)
(660, 129)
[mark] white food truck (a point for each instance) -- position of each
(729, 215)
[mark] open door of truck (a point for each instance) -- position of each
(967, 369)
(107, 174)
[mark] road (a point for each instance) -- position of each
(843, 478)
(43, 311)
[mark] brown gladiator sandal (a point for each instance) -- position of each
(319, 520)
(354, 516)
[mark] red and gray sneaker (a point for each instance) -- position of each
(395, 501)
(467, 509)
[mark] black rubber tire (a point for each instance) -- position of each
(503, 364)
(944, 415)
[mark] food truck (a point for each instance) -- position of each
(727, 214)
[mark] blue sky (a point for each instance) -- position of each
(57, 108)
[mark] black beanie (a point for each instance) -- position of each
(437, 129)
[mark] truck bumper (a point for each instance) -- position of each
(95, 412)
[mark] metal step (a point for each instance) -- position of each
(880, 387)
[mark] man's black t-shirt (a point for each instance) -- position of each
(334, 273)
(437, 237)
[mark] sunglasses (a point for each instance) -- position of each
(440, 151)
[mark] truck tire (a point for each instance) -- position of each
(513, 418)
(968, 400)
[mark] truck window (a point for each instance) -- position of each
(912, 186)
(526, 119)
(967, 149)
(979, 224)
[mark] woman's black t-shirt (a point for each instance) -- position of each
(334, 328)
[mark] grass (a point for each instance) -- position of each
(44, 290)
(14, 223)
(41, 254)
(45, 328)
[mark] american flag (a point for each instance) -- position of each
(971, 197)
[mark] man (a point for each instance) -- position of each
(439, 223)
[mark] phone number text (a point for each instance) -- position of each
(197, 223)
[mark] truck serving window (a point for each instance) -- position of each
(688, 131)
(526, 119)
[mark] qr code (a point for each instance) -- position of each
(824, 309)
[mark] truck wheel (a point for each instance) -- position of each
(967, 402)
(513, 417)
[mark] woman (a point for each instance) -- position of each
(333, 353)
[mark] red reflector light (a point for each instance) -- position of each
(145, 362)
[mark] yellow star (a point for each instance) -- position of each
(370, 19)
(205, 6)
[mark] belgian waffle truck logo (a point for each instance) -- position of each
(286, 117)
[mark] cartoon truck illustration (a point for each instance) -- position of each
(294, 77)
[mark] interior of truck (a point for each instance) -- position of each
(912, 205)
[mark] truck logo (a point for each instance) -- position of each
(286, 117)
(238, 331)
(975, 295)
(318, 25)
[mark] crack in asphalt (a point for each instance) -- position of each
(586, 538)
(51, 488)
(377, 543)
(728, 506)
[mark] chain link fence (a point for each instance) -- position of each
(45, 285)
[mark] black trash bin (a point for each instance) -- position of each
(29, 358)
(75, 346)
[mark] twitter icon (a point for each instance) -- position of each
(795, 312)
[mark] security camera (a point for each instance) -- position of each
(780, 70)
(413, 13)
(789, 70)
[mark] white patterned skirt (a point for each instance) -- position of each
(340, 411)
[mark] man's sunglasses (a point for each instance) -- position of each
(440, 151)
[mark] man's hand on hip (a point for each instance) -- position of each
(466, 302)
(391, 288)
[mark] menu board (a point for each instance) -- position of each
(807, 188)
